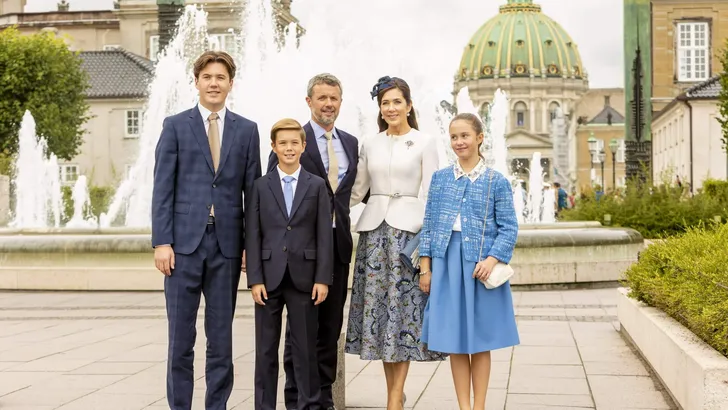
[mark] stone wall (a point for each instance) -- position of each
(4, 200)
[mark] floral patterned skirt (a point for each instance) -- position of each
(387, 305)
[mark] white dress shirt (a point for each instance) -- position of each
(282, 174)
(205, 113)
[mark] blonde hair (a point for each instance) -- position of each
(287, 124)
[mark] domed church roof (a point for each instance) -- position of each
(521, 41)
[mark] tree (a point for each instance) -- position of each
(39, 73)
(723, 97)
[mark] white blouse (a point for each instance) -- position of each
(472, 175)
(397, 171)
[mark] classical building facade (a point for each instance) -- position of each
(118, 48)
(687, 136)
(534, 60)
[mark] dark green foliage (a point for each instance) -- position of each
(39, 73)
(99, 196)
(687, 277)
(654, 211)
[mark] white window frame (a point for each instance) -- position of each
(154, 47)
(223, 42)
(129, 128)
(67, 177)
(595, 156)
(622, 152)
(692, 46)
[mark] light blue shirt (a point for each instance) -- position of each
(322, 144)
(294, 184)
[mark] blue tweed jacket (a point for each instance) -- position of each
(449, 196)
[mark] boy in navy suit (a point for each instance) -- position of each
(289, 245)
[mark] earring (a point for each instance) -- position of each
(408, 114)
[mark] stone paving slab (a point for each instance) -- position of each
(75, 350)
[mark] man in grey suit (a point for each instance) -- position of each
(206, 159)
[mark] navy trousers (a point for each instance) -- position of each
(204, 272)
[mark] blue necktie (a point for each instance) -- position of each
(288, 192)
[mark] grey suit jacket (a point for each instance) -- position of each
(302, 243)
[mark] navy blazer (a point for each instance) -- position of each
(313, 163)
(302, 243)
(186, 186)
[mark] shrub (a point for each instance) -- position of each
(687, 277)
(654, 211)
(99, 198)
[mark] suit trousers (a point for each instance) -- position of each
(330, 320)
(204, 272)
(303, 325)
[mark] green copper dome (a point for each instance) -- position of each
(520, 42)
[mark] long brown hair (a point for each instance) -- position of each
(474, 122)
(385, 84)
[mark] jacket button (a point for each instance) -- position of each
(214, 185)
(467, 239)
(285, 249)
(465, 219)
(208, 206)
(288, 228)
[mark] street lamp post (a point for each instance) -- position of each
(602, 157)
(614, 146)
(592, 144)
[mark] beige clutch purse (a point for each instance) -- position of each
(501, 272)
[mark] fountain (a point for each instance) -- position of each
(271, 82)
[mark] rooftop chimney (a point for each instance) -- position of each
(63, 5)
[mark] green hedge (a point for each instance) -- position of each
(655, 211)
(687, 277)
(99, 197)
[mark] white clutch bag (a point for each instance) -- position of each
(502, 272)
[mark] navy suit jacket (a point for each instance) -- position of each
(312, 162)
(302, 243)
(185, 184)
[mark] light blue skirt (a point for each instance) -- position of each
(462, 316)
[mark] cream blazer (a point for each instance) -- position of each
(398, 171)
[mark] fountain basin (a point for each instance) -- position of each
(122, 258)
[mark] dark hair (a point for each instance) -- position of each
(209, 57)
(287, 124)
(557, 185)
(385, 84)
(474, 122)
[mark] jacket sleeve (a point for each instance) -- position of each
(324, 240)
(429, 224)
(362, 181)
(252, 172)
(165, 173)
(254, 262)
(505, 221)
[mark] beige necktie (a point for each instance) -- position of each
(333, 163)
(213, 136)
(333, 167)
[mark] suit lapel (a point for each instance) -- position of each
(301, 188)
(312, 150)
(274, 183)
(229, 138)
(347, 142)
(198, 130)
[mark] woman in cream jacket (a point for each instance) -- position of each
(387, 305)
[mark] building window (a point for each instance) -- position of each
(224, 42)
(69, 173)
(621, 152)
(520, 109)
(552, 110)
(132, 123)
(153, 47)
(600, 148)
(693, 51)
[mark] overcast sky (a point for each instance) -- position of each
(595, 25)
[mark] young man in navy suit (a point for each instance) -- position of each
(289, 261)
(206, 159)
(332, 154)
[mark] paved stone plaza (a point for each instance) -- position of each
(107, 351)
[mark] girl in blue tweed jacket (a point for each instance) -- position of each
(462, 317)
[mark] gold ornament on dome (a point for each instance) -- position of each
(520, 69)
(553, 69)
(464, 72)
(487, 70)
(520, 43)
(576, 70)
